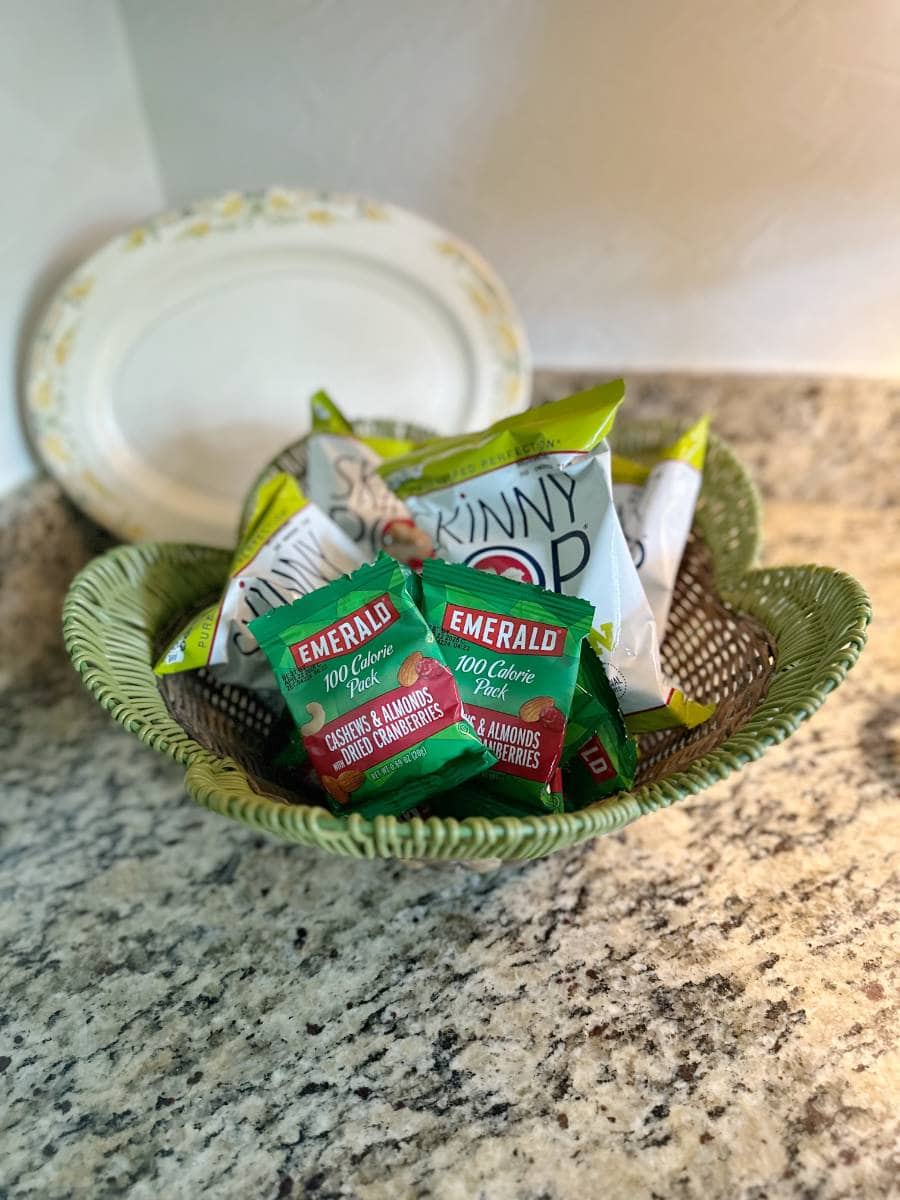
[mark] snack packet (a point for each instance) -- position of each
(655, 502)
(341, 477)
(288, 548)
(378, 709)
(477, 800)
(285, 749)
(513, 650)
(599, 756)
(531, 498)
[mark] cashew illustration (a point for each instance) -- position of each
(316, 719)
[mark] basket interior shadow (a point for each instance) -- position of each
(714, 653)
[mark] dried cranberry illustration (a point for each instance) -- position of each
(430, 668)
(552, 718)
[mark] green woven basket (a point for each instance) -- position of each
(767, 645)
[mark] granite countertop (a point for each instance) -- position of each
(704, 1005)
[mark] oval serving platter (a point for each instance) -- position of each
(179, 358)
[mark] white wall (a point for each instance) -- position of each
(683, 183)
(77, 165)
(661, 182)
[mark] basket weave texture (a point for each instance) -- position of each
(767, 645)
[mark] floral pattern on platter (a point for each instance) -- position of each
(51, 349)
(46, 386)
(507, 343)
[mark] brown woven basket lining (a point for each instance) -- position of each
(713, 653)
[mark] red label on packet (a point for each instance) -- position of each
(385, 726)
(347, 634)
(527, 749)
(595, 758)
(502, 633)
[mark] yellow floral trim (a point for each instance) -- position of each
(232, 205)
(484, 297)
(80, 290)
(481, 300)
(63, 346)
(136, 238)
(508, 338)
(41, 396)
(280, 202)
(92, 483)
(54, 447)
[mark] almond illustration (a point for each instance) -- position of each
(531, 710)
(351, 779)
(408, 674)
(334, 789)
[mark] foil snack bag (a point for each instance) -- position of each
(378, 710)
(477, 800)
(599, 755)
(655, 501)
(288, 548)
(342, 478)
(531, 498)
(514, 652)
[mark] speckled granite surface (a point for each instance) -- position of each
(842, 435)
(705, 1005)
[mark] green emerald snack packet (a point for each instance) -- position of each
(599, 755)
(513, 649)
(475, 800)
(379, 711)
(286, 751)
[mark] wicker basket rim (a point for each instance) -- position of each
(166, 736)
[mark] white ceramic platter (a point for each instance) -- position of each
(180, 358)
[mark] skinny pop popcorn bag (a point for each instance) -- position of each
(655, 501)
(288, 548)
(531, 498)
(342, 478)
